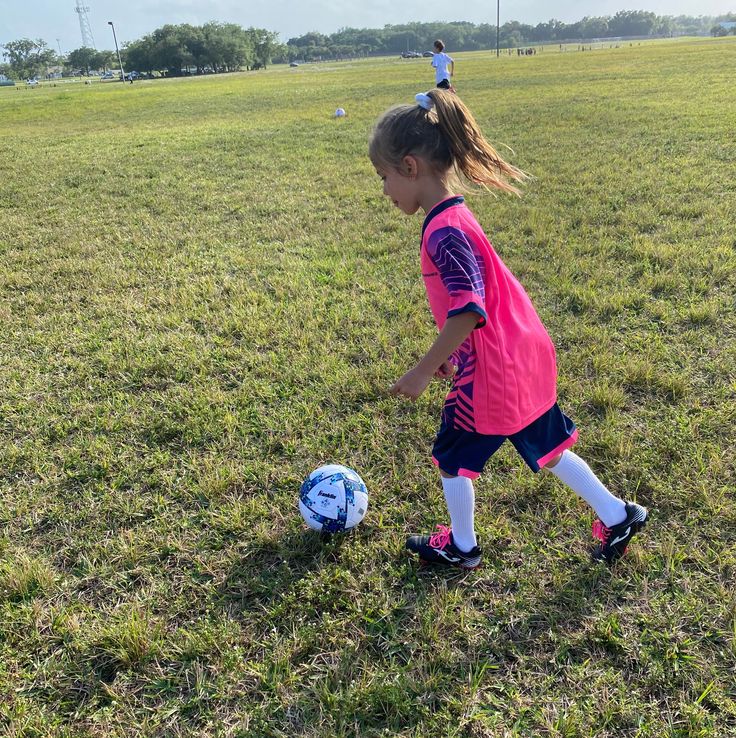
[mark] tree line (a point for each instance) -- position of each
(213, 47)
(225, 47)
(462, 36)
(171, 50)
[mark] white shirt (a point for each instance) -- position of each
(440, 62)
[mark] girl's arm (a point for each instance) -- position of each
(456, 330)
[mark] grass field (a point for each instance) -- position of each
(204, 296)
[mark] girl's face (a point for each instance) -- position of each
(401, 189)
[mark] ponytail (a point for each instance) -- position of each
(471, 152)
(442, 130)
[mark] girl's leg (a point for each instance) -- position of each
(569, 468)
(459, 548)
(460, 499)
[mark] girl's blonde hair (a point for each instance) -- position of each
(447, 137)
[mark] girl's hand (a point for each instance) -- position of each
(445, 371)
(456, 330)
(412, 384)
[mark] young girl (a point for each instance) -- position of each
(444, 66)
(491, 341)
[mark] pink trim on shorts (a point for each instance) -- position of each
(564, 445)
(460, 472)
(467, 473)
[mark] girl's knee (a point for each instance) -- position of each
(553, 461)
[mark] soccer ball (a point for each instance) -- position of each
(340, 113)
(333, 498)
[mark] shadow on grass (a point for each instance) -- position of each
(385, 646)
(529, 609)
(276, 569)
(272, 568)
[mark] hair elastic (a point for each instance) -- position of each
(424, 101)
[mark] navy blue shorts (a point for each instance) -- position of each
(463, 453)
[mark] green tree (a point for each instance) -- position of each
(512, 34)
(28, 58)
(550, 31)
(591, 28)
(169, 49)
(664, 26)
(83, 59)
(310, 46)
(194, 40)
(104, 60)
(632, 23)
(229, 47)
(265, 45)
(139, 55)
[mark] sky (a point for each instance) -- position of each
(57, 19)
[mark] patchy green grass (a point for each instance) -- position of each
(205, 296)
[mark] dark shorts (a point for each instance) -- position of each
(444, 85)
(463, 453)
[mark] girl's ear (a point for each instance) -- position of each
(409, 166)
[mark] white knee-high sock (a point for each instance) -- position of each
(460, 498)
(575, 473)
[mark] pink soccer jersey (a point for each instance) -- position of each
(506, 371)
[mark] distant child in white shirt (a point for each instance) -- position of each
(444, 66)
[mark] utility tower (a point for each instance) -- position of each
(88, 40)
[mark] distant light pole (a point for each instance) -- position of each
(120, 61)
(498, 27)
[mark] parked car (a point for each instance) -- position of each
(5, 82)
(294, 64)
(410, 55)
(427, 53)
(32, 82)
(130, 76)
(107, 75)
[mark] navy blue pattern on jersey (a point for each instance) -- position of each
(458, 410)
(460, 267)
(440, 208)
(462, 271)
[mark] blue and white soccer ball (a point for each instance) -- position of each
(340, 113)
(333, 498)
